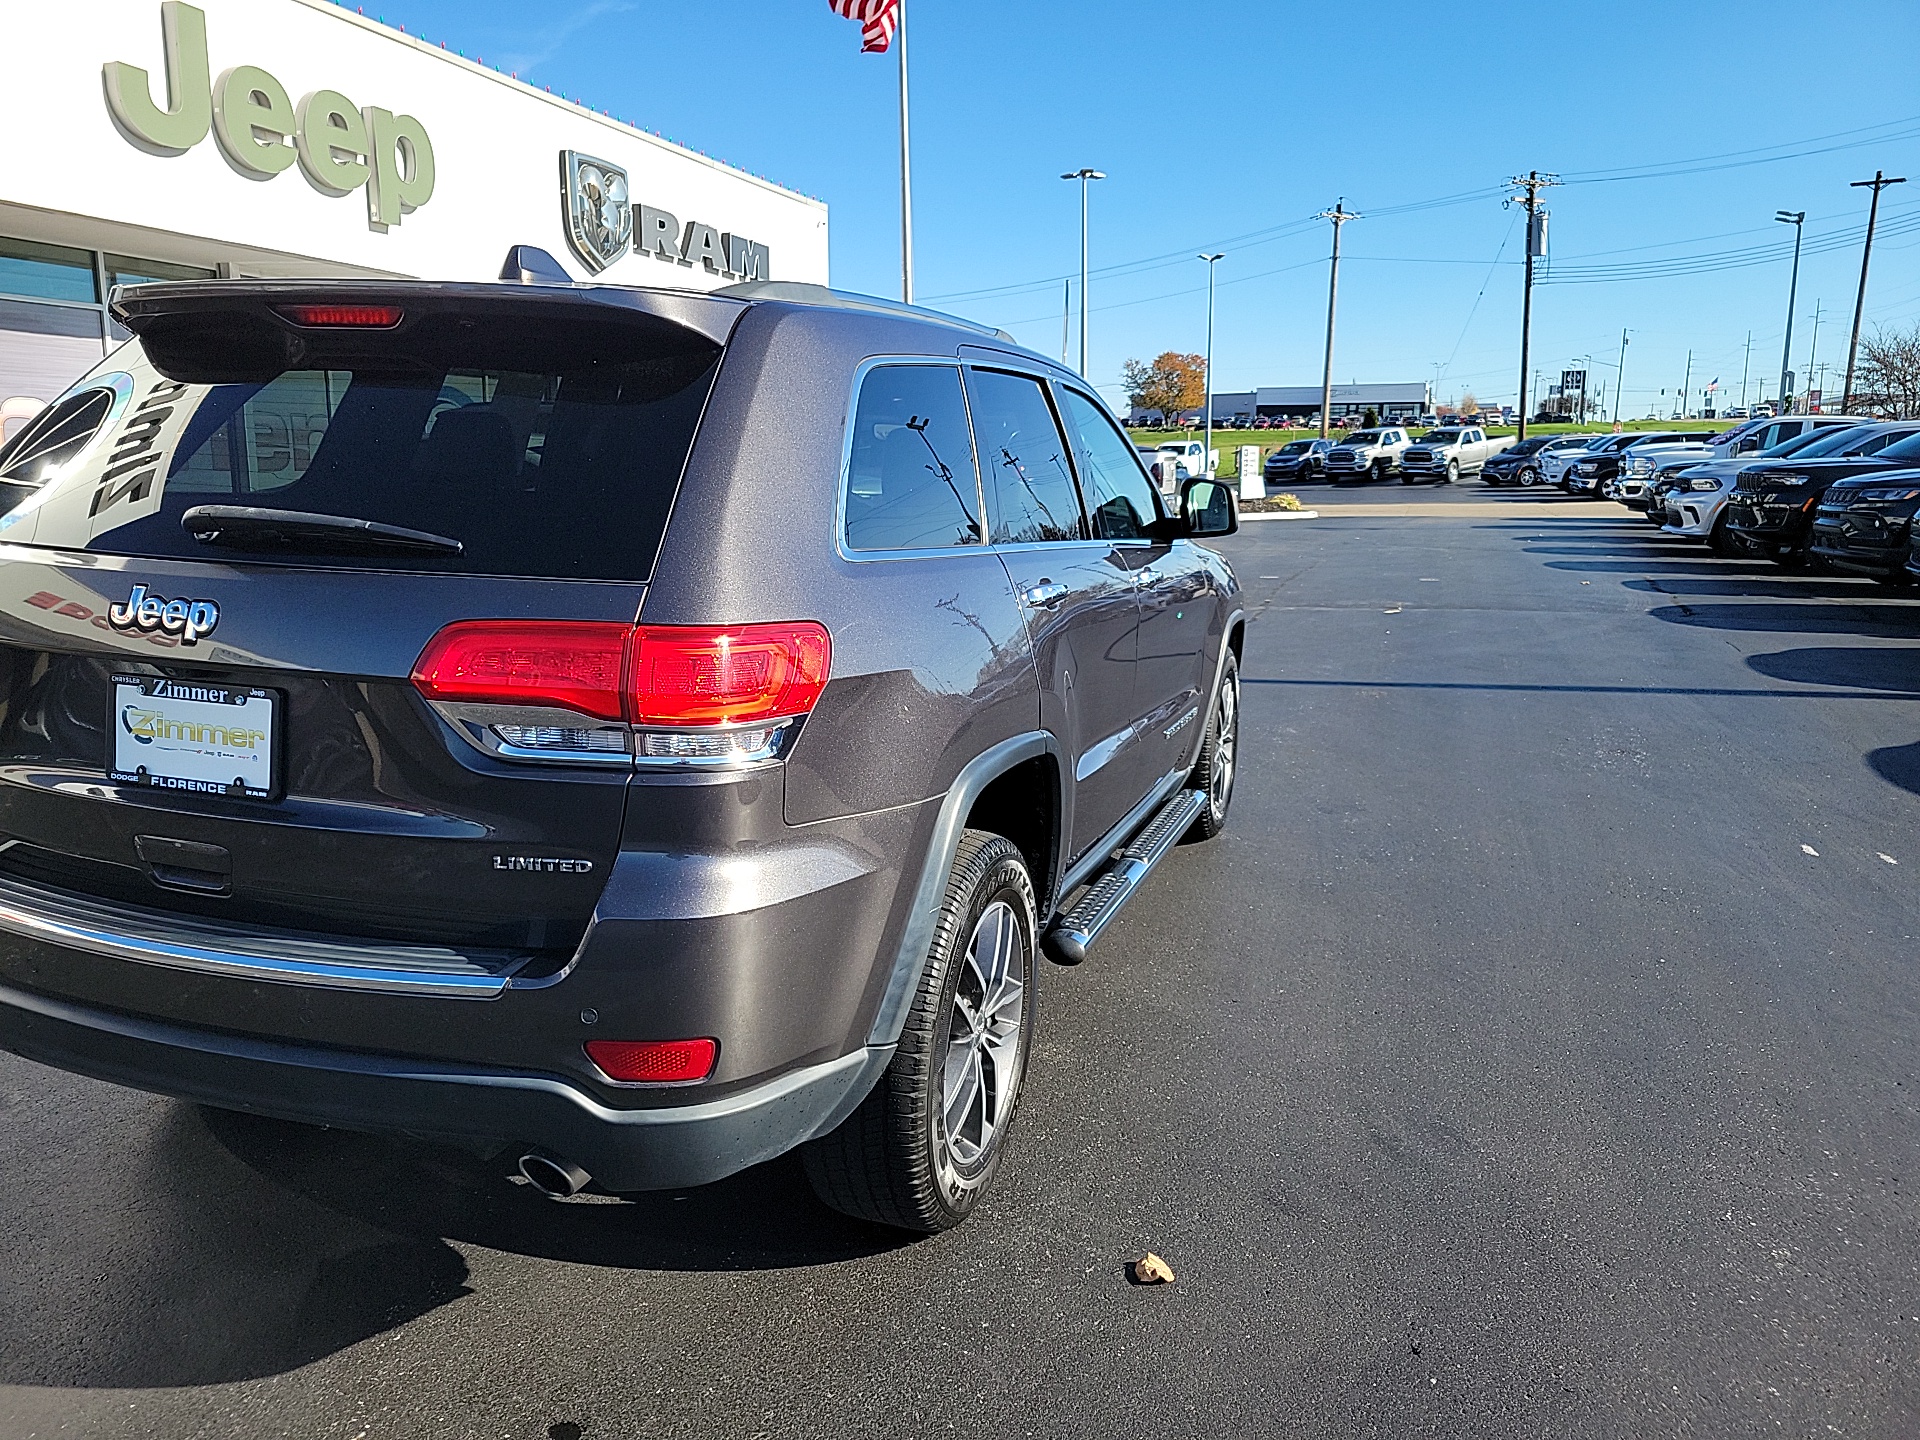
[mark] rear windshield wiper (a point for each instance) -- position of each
(254, 527)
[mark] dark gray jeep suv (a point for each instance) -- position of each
(631, 732)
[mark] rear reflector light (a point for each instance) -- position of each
(653, 1062)
(575, 664)
(345, 317)
(646, 675)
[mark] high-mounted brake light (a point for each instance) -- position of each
(646, 675)
(343, 317)
(653, 1062)
(574, 664)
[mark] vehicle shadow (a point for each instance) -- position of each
(1758, 584)
(1886, 668)
(1897, 765)
(762, 1219)
(235, 1248)
(1651, 562)
(1889, 621)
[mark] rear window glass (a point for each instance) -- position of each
(553, 455)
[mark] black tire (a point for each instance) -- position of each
(1722, 541)
(894, 1161)
(1218, 764)
(1380, 470)
(1453, 473)
(1405, 478)
(1528, 477)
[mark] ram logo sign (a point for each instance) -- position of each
(603, 224)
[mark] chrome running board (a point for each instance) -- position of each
(1125, 872)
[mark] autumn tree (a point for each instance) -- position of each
(1887, 381)
(1172, 383)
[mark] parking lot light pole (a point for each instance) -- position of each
(1339, 215)
(1878, 183)
(1083, 175)
(1206, 451)
(1797, 219)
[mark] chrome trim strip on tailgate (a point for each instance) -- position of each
(150, 937)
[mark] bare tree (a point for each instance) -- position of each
(1469, 406)
(1887, 381)
(1171, 384)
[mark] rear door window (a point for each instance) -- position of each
(911, 482)
(1023, 460)
(1119, 497)
(543, 449)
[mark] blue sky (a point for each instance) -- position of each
(1226, 126)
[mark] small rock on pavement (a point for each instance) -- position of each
(1152, 1270)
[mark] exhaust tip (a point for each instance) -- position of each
(553, 1177)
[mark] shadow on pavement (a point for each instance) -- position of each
(1864, 667)
(1647, 562)
(239, 1247)
(1894, 621)
(1897, 765)
(1762, 585)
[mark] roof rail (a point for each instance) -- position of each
(799, 292)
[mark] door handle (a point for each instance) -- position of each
(1045, 593)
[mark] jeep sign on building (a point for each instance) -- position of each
(160, 139)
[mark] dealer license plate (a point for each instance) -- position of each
(185, 735)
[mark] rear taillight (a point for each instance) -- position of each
(653, 1062)
(343, 317)
(575, 665)
(726, 675)
(683, 694)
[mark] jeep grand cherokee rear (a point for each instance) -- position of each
(416, 715)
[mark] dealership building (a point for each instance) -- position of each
(1298, 402)
(155, 139)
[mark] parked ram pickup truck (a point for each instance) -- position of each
(631, 733)
(1443, 456)
(1366, 455)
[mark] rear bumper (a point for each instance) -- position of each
(485, 1108)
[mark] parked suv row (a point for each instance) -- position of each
(633, 732)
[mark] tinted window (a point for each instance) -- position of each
(1119, 497)
(544, 450)
(911, 484)
(54, 437)
(1023, 460)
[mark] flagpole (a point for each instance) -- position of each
(906, 171)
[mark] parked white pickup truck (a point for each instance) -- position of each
(1445, 455)
(1367, 455)
(1187, 452)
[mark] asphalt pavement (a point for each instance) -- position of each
(1534, 1056)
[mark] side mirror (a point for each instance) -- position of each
(1210, 508)
(1748, 445)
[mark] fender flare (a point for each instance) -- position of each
(903, 980)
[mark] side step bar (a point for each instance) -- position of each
(1070, 936)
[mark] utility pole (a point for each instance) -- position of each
(1685, 391)
(1812, 350)
(1206, 451)
(1339, 216)
(1533, 182)
(1797, 219)
(1083, 175)
(1878, 183)
(1746, 365)
(1620, 378)
(1066, 316)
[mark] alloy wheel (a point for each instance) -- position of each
(1227, 738)
(980, 1071)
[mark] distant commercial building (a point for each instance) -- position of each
(1299, 402)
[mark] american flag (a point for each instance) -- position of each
(877, 21)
